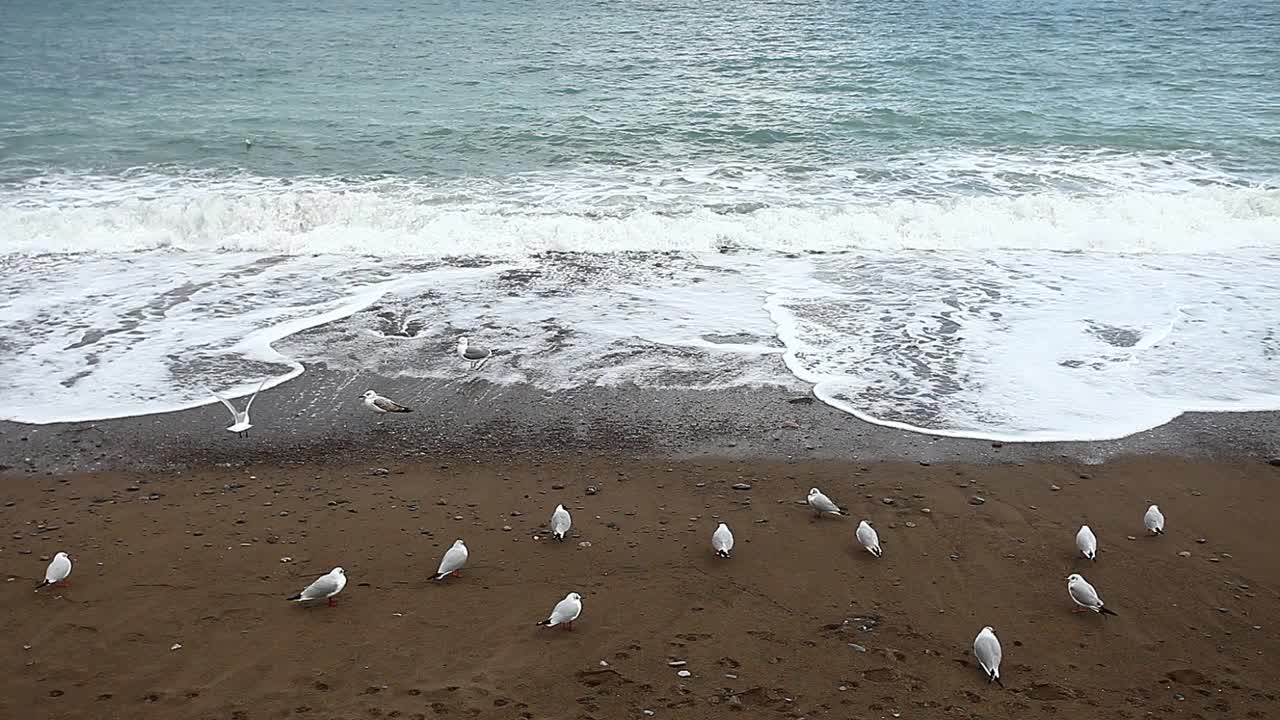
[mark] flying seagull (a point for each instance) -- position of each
(1154, 520)
(722, 540)
(382, 405)
(822, 504)
(240, 420)
(58, 571)
(565, 612)
(987, 649)
(474, 355)
(1084, 595)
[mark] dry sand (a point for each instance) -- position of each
(801, 622)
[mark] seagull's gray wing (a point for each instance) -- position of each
(565, 611)
(824, 503)
(235, 416)
(475, 353)
(388, 405)
(987, 649)
(254, 396)
(1084, 594)
(320, 589)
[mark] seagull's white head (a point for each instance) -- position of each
(369, 395)
(1073, 577)
(459, 543)
(61, 555)
(989, 629)
(865, 522)
(814, 491)
(559, 507)
(575, 596)
(722, 525)
(462, 342)
(1154, 507)
(337, 571)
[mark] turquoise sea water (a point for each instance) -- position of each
(1016, 220)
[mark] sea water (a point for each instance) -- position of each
(1016, 221)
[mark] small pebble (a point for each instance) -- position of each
(1202, 540)
(1054, 488)
(175, 646)
(977, 500)
(1184, 553)
(683, 673)
(742, 486)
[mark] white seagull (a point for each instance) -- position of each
(987, 649)
(324, 588)
(1154, 520)
(240, 420)
(454, 558)
(822, 504)
(474, 355)
(869, 538)
(382, 405)
(1087, 543)
(1084, 595)
(722, 540)
(565, 612)
(58, 571)
(561, 521)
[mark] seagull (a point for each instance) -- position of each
(240, 420)
(382, 405)
(474, 355)
(560, 523)
(1084, 595)
(722, 540)
(565, 612)
(1087, 543)
(58, 571)
(248, 143)
(324, 588)
(869, 538)
(822, 504)
(1154, 520)
(454, 558)
(987, 648)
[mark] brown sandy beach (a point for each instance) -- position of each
(801, 622)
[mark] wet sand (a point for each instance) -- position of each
(801, 622)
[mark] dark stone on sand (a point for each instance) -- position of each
(997, 444)
(805, 400)
(1274, 462)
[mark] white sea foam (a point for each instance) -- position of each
(940, 301)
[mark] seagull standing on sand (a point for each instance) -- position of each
(722, 540)
(1084, 595)
(565, 612)
(454, 558)
(382, 405)
(869, 538)
(324, 588)
(240, 420)
(1087, 543)
(474, 355)
(822, 504)
(561, 521)
(987, 649)
(1154, 520)
(58, 571)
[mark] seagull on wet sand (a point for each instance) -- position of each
(382, 405)
(454, 558)
(1087, 543)
(987, 649)
(722, 540)
(474, 355)
(58, 571)
(1154, 520)
(240, 420)
(1084, 595)
(561, 521)
(324, 588)
(869, 538)
(822, 504)
(565, 612)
